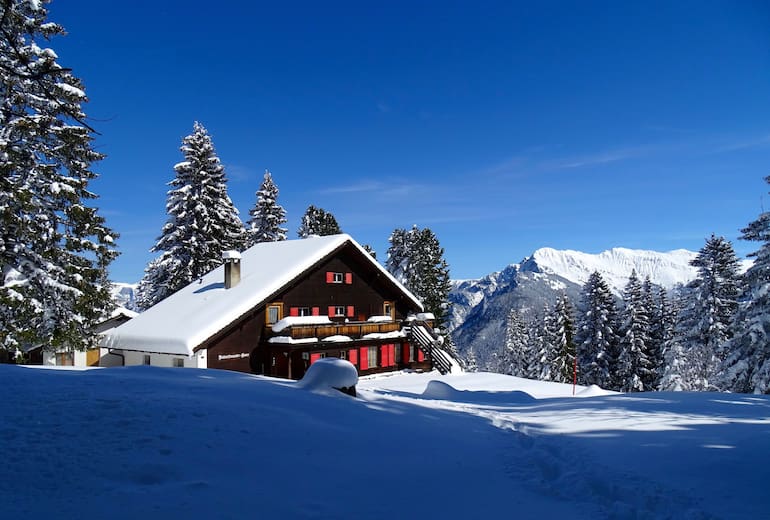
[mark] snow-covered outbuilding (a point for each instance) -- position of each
(276, 308)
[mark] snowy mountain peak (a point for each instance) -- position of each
(615, 265)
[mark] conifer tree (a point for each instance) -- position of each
(541, 335)
(54, 247)
(563, 353)
(747, 357)
(634, 366)
(515, 358)
(318, 221)
(471, 361)
(267, 215)
(711, 306)
(596, 337)
(655, 345)
(202, 222)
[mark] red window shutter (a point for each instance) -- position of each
(332, 310)
(384, 356)
(329, 277)
(353, 356)
(316, 311)
(420, 355)
(364, 358)
(314, 358)
(348, 278)
(294, 311)
(405, 353)
(392, 355)
(351, 312)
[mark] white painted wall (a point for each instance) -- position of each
(79, 360)
(133, 358)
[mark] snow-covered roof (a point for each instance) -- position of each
(187, 318)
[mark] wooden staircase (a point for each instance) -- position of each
(422, 335)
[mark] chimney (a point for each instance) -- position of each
(232, 260)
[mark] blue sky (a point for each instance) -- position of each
(502, 126)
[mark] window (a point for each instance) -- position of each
(339, 310)
(343, 354)
(178, 362)
(304, 311)
(334, 277)
(273, 314)
(146, 359)
(397, 355)
(65, 359)
(411, 353)
(372, 357)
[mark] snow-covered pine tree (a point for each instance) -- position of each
(202, 222)
(318, 221)
(596, 336)
(516, 355)
(655, 346)
(672, 353)
(563, 353)
(634, 366)
(747, 361)
(267, 215)
(54, 247)
(711, 306)
(416, 259)
(397, 262)
(674, 373)
(542, 340)
(369, 249)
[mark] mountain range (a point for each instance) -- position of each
(479, 307)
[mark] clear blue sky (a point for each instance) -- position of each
(502, 126)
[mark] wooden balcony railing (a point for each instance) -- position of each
(353, 330)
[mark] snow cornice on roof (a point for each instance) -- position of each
(198, 312)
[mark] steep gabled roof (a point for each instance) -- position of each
(192, 315)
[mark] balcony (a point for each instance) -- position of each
(353, 330)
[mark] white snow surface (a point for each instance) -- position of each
(295, 321)
(615, 265)
(159, 443)
(187, 318)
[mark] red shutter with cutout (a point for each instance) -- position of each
(420, 355)
(405, 353)
(383, 355)
(294, 311)
(331, 310)
(351, 312)
(364, 358)
(353, 356)
(329, 277)
(348, 278)
(316, 311)
(392, 354)
(314, 358)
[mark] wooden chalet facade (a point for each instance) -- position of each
(276, 309)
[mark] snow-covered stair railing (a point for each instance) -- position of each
(429, 342)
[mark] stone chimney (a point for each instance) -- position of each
(232, 260)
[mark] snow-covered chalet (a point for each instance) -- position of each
(278, 307)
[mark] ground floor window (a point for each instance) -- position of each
(343, 354)
(146, 359)
(65, 359)
(397, 355)
(178, 362)
(372, 357)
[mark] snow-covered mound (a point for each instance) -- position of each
(158, 443)
(330, 374)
